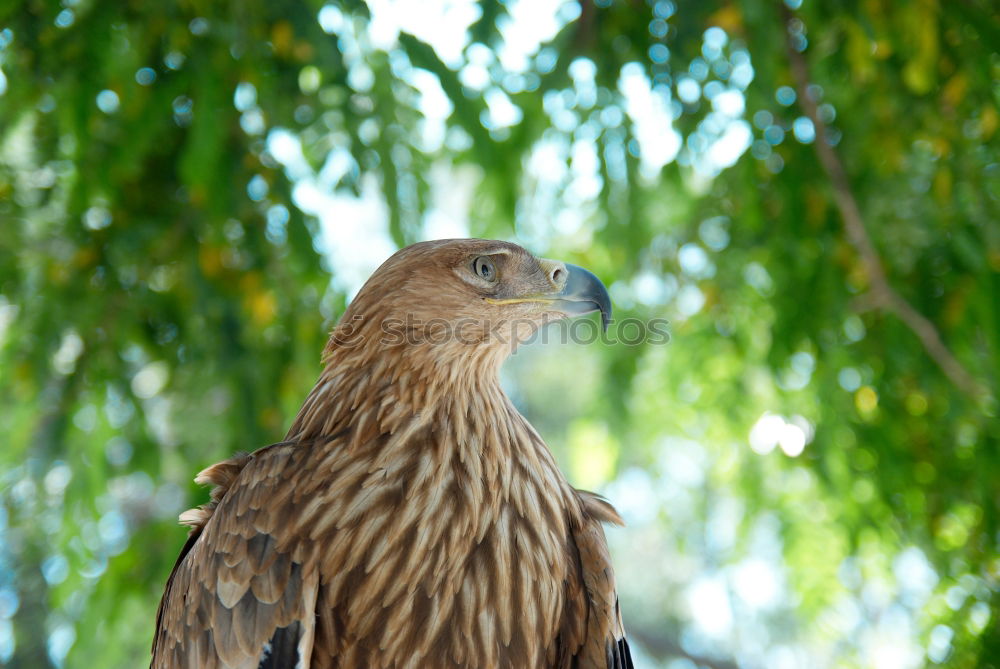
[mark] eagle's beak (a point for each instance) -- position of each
(583, 293)
(575, 291)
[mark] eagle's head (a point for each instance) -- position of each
(460, 297)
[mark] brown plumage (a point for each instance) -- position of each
(412, 517)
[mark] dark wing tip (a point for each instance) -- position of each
(618, 655)
(625, 654)
(282, 650)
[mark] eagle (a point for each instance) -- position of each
(411, 517)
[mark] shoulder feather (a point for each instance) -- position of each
(599, 508)
(221, 475)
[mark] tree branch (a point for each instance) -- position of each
(881, 293)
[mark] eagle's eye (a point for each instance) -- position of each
(484, 269)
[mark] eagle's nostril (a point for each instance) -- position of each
(558, 274)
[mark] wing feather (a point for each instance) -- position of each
(238, 596)
(593, 634)
(282, 651)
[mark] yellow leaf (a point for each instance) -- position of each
(882, 48)
(957, 301)
(84, 257)
(942, 185)
(263, 307)
(281, 38)
(304, 51)
(988, 121)
(270, 418)
(993, 257)
(250, 282)
(954, 91)
(942, 147)
(921, 21)
(859, 52)
(58, 273)
(918, 76)
(210, 260)
(866, 400)
(729, 18)
(816, 207)
(916, 403)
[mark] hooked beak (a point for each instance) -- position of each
(576, 291)
(583, 293)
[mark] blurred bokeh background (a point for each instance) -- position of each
(190, 192)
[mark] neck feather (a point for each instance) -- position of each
(396, 389)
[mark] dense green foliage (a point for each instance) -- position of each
(167, 282)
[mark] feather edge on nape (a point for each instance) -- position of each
(197, 517)
(222, 475)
